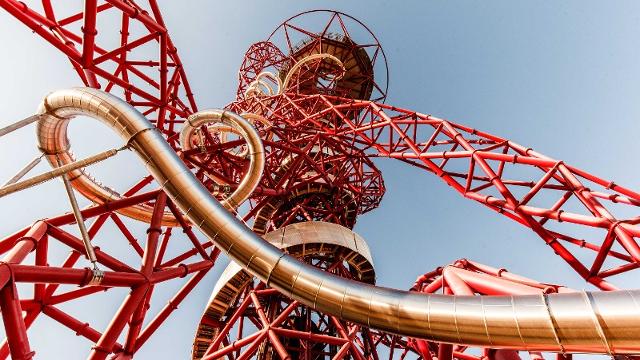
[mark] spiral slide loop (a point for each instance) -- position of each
(301, 62)
(256, 86)
(57, 112)
(231, 122)
(598, 322)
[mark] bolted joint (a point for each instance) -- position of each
(101, 349)
(97, 277)
(154, 230)
(185, 269)
(94, 32)
(82, 329)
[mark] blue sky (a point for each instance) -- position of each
(563, 78)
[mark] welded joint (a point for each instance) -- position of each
(273, 268)
(81, 329)
(134, 135)
(154, 229)
(185, 269)
(92, 277)
(136, 13)
(28, 238)
(49, 109)
(138, 321)
(615, 224)
(171, 304)
(554, 325)
(97, 277)
(86, 32)
(10, 275)
(597, 323)
(455, 137)
(101, 349)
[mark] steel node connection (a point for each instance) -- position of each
(276, 181)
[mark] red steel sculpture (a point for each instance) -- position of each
(465, 277)
(311, 121)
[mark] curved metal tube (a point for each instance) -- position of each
(254, 87)
(255, 150)
(51, 132)
(300, 239)
(298, 65)
(274, 78)
(598, 322)
(54, 143)
(254, 118)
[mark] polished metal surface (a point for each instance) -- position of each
(598, 322)
(255, 150)
(256, 86)
(276, 80)
(54, 143)
(308, 239)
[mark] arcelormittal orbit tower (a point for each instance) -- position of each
(276, 181)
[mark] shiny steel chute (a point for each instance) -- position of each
(55, 145)
(589, 322)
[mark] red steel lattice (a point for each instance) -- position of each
(321, 135)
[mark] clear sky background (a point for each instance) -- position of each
(561, 77)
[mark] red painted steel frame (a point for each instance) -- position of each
(263, 323)
(465, 277)
(555, 200)
(155, 266)
(144, 68)
(329, 143)
(295, 36)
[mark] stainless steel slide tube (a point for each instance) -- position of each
(598, 322)
(53, 141)
(254, 146)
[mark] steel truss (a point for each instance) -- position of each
(155, 267)
(553, 199)
(144, 69)
(466, 277)
(263, 323)
(320, 166)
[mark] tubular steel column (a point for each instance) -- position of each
(246, 319)
(312, 96)
(14, 324)
(47, 277)
(466, 277)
